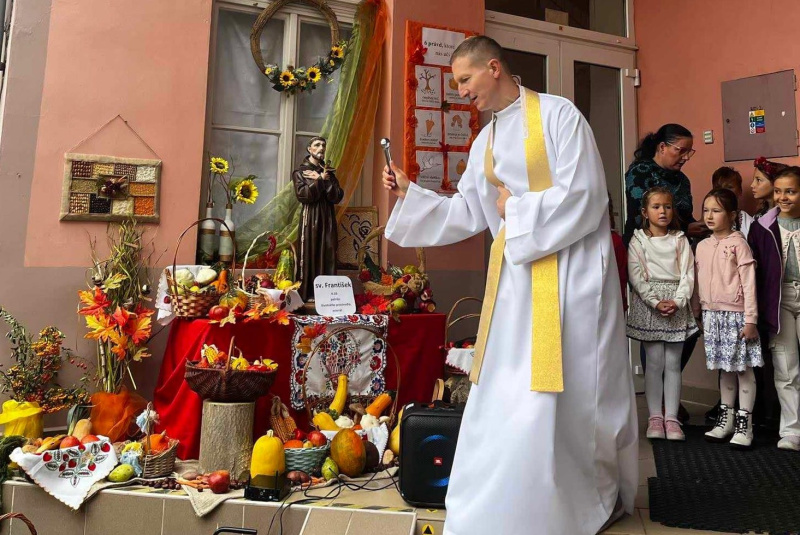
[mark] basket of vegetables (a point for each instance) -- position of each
(257, 287)
(226, 377)
(330, 413)
(192, 296)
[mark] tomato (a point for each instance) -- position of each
(218, 312)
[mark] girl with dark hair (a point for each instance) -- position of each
(763, 176)
(658, 163)
(725, 291)
(661, 274)
(775, 241)
(730, 179)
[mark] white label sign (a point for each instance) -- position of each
(429, 88)
(333, 296)
(440, 45)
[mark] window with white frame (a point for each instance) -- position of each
(258, 130)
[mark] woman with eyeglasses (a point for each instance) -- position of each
(658, 163)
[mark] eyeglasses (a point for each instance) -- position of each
(688, 153)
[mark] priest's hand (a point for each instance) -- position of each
(501, 201)
(395, 181)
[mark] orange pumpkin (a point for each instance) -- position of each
(348, 452)
(293, 444)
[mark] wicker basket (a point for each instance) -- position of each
(161, 464)
(256, 299)
(20, 517)
(191, 305)
(378, 288)
(228, 385)
(322, 402)
(451, 322)
(306, 459)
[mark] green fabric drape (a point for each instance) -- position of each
(281, 214)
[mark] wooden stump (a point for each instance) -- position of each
(226, 437)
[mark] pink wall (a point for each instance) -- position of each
(687, 48)
(458, 14)
(146, 61)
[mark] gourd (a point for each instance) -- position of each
(340, 398)
(268, 456)
(324, 422)
(348, 452)
(380, 404)
(234, 298)
(394, 438)
(285, 269)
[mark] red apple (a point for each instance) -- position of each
(299, 434)
(218, 312)
(317, 438)
(219, 482)
(90, 438)
(69, 442)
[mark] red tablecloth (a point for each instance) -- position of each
(416, 339)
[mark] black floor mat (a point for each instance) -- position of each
(708, 486)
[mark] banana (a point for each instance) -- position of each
(341, 395)
(51, 443)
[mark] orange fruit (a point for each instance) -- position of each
(293, 444)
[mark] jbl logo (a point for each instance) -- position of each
(437, 461)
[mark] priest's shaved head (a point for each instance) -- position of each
(480, 49)
(482, 74)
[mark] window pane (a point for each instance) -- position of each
(604, 16)
(300, 152)
(598, 96)
(531, 68)
(312, 108)
(242, 95)
(248, 154)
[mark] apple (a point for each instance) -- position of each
(307, 444)
(299, 434)
(219, 482)
(399, 305)
(317, 438)
(69, 442)
(90, 438)
(218, 312)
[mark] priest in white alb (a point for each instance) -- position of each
(548, 442)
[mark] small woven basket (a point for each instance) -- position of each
(306, 459)
(192, 305)
(21, 518)
(378, 288)
(228, 385)
(161, 464)
(256, 299)
(321, 402)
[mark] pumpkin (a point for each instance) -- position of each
(268, 456)
(234, 298)
(348, 452)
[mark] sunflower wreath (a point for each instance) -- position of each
(292, 80)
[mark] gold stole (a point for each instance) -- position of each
(546, 366)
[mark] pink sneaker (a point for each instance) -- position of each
(674, 431)
(655, 427)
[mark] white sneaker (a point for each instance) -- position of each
(743, 436)
(789, 442)
(724, 428)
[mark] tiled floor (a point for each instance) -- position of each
(640, 522)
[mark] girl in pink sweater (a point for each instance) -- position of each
(726, 293)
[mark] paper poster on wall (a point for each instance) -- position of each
(451, 90)
(429, 88)
(440, 45)
(456, 128)
(431, 170)
(429, 128)
(456, 165)
(757, 124)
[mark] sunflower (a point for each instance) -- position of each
(314, 75)
(246, 191)
(268, 71)
(219, 166)
(287, 79)
(337, 52)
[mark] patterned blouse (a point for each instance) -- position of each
(645, 174)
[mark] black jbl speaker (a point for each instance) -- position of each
(429, 432)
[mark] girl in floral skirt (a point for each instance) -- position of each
(661, 274)
(726, 293)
